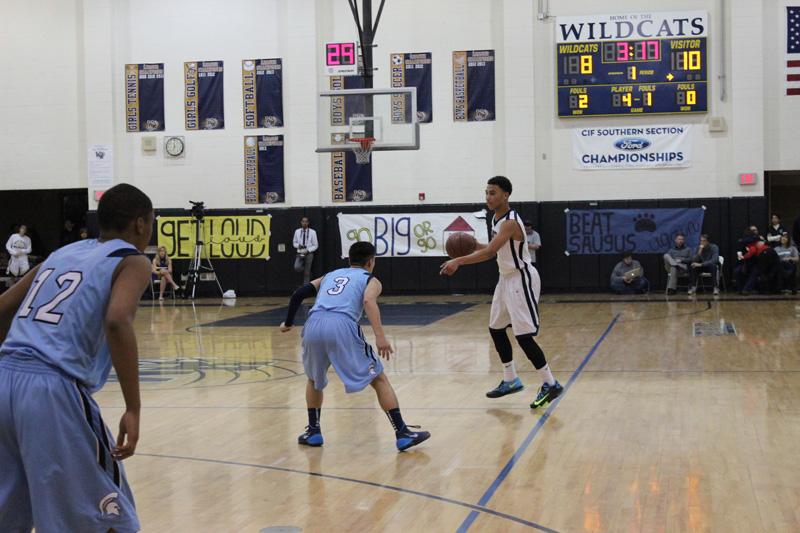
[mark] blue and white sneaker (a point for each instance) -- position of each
(312, 437)
(407, 438)
(506, 387)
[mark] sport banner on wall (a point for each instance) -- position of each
(263, 169)
(262, 93)
(408, 234)
(350, 182)
(144, 97)
(473, 86)
(234, 237)
(412, 70)
(641, 231)
(203, 99)
(632, 147)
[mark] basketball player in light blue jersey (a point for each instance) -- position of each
(515, 303)
(61, 327)
(332, 336)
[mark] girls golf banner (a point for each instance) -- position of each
(632, 147)
(640, 231)
(412, 70)
(262, 93)
(203, 100)
(263, 170)
(409, 234)
(144, 97)
(473, 86)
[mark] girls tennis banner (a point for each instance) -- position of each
(409, 234)
(234, 237)
(412, 70)
(144, 97)
(632, 147)
(262, 93)
(203, 99)
(263, 170)
(641, 231)
(473, 86)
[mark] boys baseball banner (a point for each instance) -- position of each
(144, 97)
(263, 170)
(262, 93)
(409, 234)
(203, 100)
(473, 86)
(412, 70)
(234, 237)
(350, 182)
(632, 147)
(641, 231)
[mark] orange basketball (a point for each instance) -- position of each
(460, 244)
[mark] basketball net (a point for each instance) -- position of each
(362, 148)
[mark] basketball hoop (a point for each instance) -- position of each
(362, 148)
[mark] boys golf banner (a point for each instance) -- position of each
(409, 234)
(632, 147)
(641, 231)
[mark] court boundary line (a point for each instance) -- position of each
(470, 519)
(475, 508)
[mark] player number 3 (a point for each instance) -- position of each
(340, 284)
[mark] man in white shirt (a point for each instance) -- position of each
(305, 242)
(534, 240)
(18, 247)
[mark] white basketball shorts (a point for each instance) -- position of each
(516, 302)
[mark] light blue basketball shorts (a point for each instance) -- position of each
(55, 456)
(335, 339)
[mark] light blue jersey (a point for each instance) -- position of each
(342, 291)
(60, 322)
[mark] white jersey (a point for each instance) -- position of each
(515, 256)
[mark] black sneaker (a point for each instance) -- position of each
(312, 437)
(547, 394)
(407, 438)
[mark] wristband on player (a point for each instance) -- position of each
(297, 298)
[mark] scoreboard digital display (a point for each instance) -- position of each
(641, 63)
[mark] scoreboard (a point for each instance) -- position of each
(629, 64)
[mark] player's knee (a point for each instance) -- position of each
(532, 350)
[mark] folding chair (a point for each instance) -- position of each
(701, 282)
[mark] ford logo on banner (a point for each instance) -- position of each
(632, 144)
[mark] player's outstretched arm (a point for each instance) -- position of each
(507, 230)
(130, 281)
(306, 291)
(12, 299)
(371, 294)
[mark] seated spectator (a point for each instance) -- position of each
(628, 276)
(676, 262)
(789, 257)
(746, 272)
(83, 234)
(775, 231)
(162, 269)
(706, 259)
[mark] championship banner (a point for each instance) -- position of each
(473, 86)
(203, 99)
(234, 237)
(412, 70)
(409, 234)
(144, 97)
(641, 231)
(632, 147)
(350, 182)
(263, 170)
(262, 93)
(345, 106)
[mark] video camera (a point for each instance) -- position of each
(198, 209)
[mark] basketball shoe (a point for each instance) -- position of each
(407, 438)
(547, 393)
(506, 387)
(312, 437)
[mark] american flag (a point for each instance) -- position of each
(793, 50)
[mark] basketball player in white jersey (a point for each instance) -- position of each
(516, 297)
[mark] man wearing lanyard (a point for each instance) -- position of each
(305, 242)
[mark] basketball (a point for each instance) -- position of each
(460, 244)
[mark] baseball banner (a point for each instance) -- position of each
(632, 147)
(350, 181)
(409, 234)
(144, 97)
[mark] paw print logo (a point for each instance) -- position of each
(644, 222)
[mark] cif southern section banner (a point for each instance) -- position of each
(632, 147)
(144, 97)
(350, 181)
(412, 70)
(234, 237)
(262, 93)
(409, 234)
(263, 169)
(203, 99)
(641, 231)
(473, 86)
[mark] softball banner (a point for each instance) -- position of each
(144, 97)
(632, 147)
(234, 237)
(262, 93)
(409, 234)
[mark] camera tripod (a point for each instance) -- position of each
(197, 266)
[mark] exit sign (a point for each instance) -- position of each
(748, 178)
